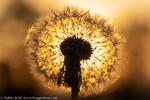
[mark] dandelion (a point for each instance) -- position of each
(98, 48)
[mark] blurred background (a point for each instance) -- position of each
(131, 19)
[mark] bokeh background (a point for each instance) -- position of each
(131, 18)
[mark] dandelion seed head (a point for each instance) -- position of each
(44, 38)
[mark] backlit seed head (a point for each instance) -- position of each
(99, 64)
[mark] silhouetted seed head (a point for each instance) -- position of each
(78, 33)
